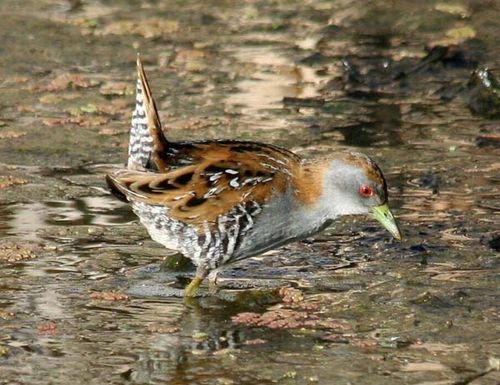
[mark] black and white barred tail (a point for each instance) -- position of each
(146, 136)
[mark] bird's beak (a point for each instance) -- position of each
(383, 214)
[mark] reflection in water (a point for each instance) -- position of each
(163, 356)
(267, 79)
(25, 219)
(382, 129)
(202, 343)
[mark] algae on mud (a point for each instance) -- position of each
(312, 76)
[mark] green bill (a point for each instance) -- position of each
(383, 214)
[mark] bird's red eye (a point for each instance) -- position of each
(366, 191)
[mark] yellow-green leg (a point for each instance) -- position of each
(192, 288)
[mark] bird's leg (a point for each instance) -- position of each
(212, 281)
(212, 277)
(193, 286)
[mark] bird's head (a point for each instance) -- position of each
(354, 184)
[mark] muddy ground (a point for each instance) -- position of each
(87, 298)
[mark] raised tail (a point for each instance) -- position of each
(147, 141)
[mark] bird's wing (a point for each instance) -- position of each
(207, 180)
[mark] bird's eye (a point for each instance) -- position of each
(366, 191)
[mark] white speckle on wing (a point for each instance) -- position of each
(212, 192)
(215, 176)
(234, 183)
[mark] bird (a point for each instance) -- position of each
(221, 201)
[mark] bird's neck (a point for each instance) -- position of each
(307, 183)
(317, 187)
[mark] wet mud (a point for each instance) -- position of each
(86, 297)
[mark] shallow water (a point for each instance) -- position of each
(85, 295)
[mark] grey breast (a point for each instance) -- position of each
(281, 221)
